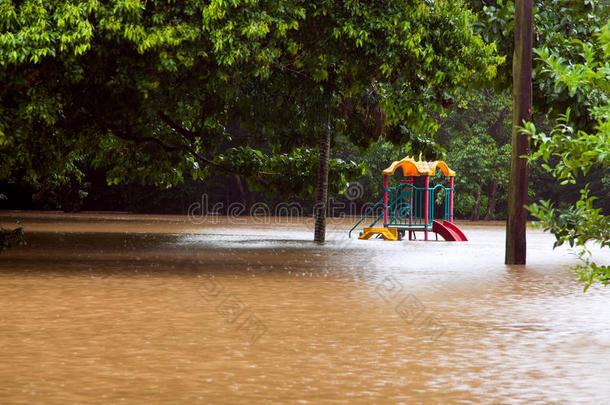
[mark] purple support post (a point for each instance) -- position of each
(385, 201)
(451, 199)
(426, 203)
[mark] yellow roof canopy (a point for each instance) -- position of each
(412, 167)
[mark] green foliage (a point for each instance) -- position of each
(152, 84)
(477, 138)
(159, 90)
(293, 173)
(578, 225)
(591, 272)
(560, 29)
(377, 158)
(577, 151)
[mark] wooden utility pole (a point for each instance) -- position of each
(522, 111)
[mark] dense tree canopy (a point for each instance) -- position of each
(559, 25)
(159, 90)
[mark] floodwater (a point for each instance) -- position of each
(119, 308)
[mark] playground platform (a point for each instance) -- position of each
(406, 209)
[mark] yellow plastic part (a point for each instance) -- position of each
(387, 233)
(412, 167)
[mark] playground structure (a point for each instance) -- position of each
(407, 208)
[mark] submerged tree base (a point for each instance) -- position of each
(10, 238)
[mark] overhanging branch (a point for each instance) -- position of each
(190, 135)
(184, 148)
(172, 148)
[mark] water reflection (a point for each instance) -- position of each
(137, 309)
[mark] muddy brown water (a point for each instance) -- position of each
(119, 308)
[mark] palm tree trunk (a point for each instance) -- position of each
(322, 187)
(522, 110)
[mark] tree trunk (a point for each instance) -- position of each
(322, 189)
(522, 109)
(242, 192)
(70, 196)
(491, 202)
(248, 193)
(474, 215)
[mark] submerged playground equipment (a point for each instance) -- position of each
(407, 208)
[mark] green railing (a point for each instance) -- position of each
(365, 216)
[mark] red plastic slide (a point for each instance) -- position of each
(448, 231)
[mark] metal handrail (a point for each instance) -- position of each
(447, 215)
(349, 235)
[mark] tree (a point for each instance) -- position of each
(158, 90)
(360, 74)
(578, 152)
(153, 91)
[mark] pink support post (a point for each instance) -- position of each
(385, 201)
(451, 199)
(411, 201)
(411, 213)
(426, 203)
